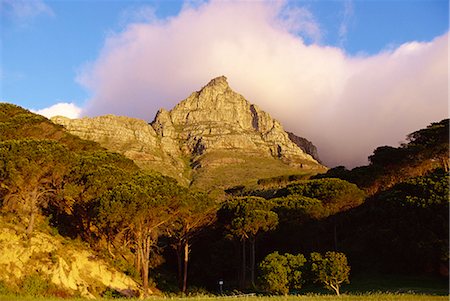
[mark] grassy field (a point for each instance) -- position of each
(368, 297)
(370, 288)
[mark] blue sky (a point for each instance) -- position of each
(68, 51)
(43, 51)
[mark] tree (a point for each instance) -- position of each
(331, 270)
(280, 273)
(336, 194)
(196, 211)
(91, 175)
(138, 211)
(432, 142)
(245, 218)
(31, 175)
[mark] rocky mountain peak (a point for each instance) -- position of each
(212, 128)
(217, 118)
(218, 83)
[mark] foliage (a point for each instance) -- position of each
(403, 229)
(196, 211)
(90, 176)
(281, 273)
(111, 293)
(31, 173)
(426, 150)
(136, 212)
(4, 289)
(331, 269)
(245, 217)
(432, 142)
(296, 209)
(34, 285)
(335, 195)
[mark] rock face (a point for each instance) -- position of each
(213, 127)
(134, 138)
(73, 268)
(217, 118)
(306, 145)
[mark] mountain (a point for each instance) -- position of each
(213, 139)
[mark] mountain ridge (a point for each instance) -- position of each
(212, 127)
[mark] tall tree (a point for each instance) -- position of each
(245, 218)
(197, 211)
(92, 175)
(31, 174)
(139, 210)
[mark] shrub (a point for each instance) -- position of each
(4, 289)
(280, 273)
(111, 293)
(34, 285)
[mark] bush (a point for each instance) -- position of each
(34, 285)
(4, 289)
(111, 293)
(280, 273)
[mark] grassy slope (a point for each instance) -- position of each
(18, 123)
(228, 168)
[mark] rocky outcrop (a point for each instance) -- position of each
(72, 268)
(213, 127)
(306, 145)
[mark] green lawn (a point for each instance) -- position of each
(368, 297)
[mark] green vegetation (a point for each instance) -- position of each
(330, 269)
(282, 273)
(244, 218)
(226, 169)
(387, 218)
(360, 297)
(426, 150)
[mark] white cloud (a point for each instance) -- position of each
(69, 110)
(144, 13)
(347, 16)
(346, 105)
(24, 10)
(301, 21)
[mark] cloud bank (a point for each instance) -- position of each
(69, 110)
(346, 105)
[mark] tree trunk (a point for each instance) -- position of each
(185, 270)
(29, 230)
(33, 211)
(179, 250)
(138, 260)
(252, 260)
(145, 277)
(445, 163)
(108, 246)
(243, 267)
(336, 288)
(145, 264)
